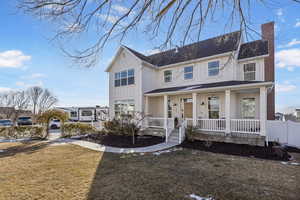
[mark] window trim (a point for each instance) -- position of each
(208, 106)
(208, 68)
(118, 78)
(249, 72)
(170, 75)
(242, 111)
(122, 102)
(192, 72)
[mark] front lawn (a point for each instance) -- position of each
(39, 171)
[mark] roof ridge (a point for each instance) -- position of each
(196, 42)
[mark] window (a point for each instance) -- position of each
(86, 113)
(124, 107)
(117, 79)
(249, 72)
(213, 107)
(213, 68)
(73, 114)
(188, 72)
(168, 76)
(130, 76)
(248, 108)
(125, 77)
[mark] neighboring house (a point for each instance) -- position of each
(279, 116)
(86, 113)
(8, 111)
(221, 84)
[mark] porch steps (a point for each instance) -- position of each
(174, 136)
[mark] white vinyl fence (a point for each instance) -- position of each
(284, 132)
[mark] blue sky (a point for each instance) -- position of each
(28, 57)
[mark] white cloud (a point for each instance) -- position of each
(5, 89)
(120, 9)
(285, 87)
(34, 76)
(27, 85)
(293, 42)
(110, 18)
(289, 58)
(13, 58)
(297, 24)
(279, 13)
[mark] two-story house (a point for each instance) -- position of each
(221, 84)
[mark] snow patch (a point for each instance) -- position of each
(290, 163)
(166, 151)
(1, 150)
(200, 198)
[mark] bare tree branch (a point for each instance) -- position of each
(175, 21)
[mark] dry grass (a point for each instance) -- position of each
(38, 171)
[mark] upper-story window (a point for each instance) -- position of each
(213, 68)
(168, 76)
(125, 77)
(249, 72)
(188, 72)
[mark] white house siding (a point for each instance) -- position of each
(200, 73)
(149, 81)
(125, 61)
(156, 106)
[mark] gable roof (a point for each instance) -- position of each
(253, 49)
(203, 86)
(213, 46)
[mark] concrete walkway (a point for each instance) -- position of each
(99, 147)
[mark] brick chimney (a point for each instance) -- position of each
(267, 31)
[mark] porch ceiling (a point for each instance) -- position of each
(218, 86)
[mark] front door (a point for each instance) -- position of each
(188, 110)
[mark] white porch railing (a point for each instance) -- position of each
(245, 126)
(250, 126)
(182, 130)
(155, 122)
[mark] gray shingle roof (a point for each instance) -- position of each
(213, 46)
(201, 86)
(253, 49)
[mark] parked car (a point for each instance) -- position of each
(23, 121)
(54, 124)
(5, 122)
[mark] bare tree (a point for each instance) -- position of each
(14, 103)
(40, 99)
(184, 18)
(34, 94)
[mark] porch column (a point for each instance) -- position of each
(227, 110)
(146, 106)
(263, 110)
(165, 110)
(194, 109)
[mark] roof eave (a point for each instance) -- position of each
(253, 58)
(220, 88)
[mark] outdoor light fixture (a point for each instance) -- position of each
(202, 104)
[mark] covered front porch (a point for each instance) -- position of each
(232, 111)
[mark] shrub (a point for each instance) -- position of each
(22, 132)
(190, 133)
(75, 129)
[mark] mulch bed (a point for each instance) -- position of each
(237, 149)
(124, 141)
